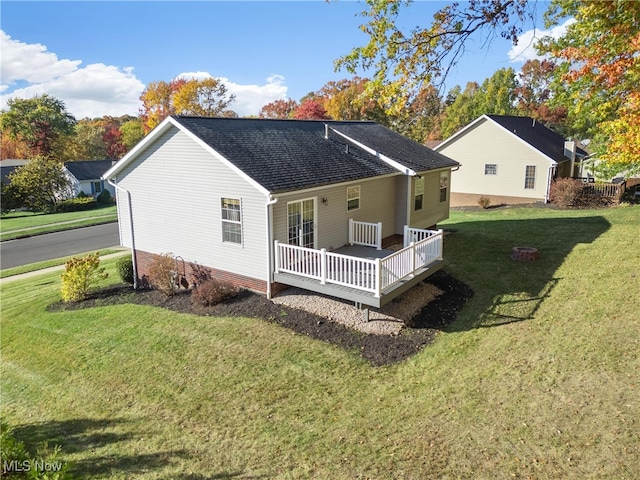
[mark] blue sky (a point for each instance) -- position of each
(99, 56)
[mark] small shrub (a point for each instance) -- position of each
(11, 448)
(124, 265)
(16, 461)
(104, 197)
(81, 195)
(76, 204)
(565, 192)
(80, 274)
(163, 275)
(484, 202)
(213, 291)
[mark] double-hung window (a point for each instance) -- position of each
(444, 186)
(418, 194)
(353, 198)
(530, 177)
(231, 220)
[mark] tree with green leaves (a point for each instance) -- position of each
(599, 65)
(403, 62)
(207, 98)
(462, 109)
(132, 132)
(40, 184)
(41, 122)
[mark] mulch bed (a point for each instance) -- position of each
(377, 349)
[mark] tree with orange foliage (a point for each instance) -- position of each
(278, 109)
(600, 73)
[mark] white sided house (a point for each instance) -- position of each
(85, 176)
(508, 159)
(270, 203)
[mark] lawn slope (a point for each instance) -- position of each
(536, 379)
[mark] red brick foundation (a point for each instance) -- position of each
(190, 274)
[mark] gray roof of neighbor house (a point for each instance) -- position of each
(537, 135)
(5, 171)
(288, 155)
(85, 170)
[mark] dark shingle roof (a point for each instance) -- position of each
(536, 134)
(412, 154)
(5, 172)
(88, 169)
(287, 155)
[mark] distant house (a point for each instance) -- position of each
(270, 203)
(86, 176)
(508, 159)
(7, 167)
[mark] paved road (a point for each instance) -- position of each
(38, 248)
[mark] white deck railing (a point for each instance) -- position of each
(369, 275)
(367, 234)
(416, 234)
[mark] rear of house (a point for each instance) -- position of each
(220, 194)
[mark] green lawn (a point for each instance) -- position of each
(19, 224)
(538, 377)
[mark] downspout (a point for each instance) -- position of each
(549, 180)
(133, 242)
(268, 215)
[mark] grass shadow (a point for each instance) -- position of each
(87, 436)
(506, 290)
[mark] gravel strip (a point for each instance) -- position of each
(388, 320)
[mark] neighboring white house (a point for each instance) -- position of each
(86, 176)
(269, 203)
(508, 159)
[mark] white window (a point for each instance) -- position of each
(490, 169)
(353, 198)
(231, 220)
(530, 177)
(418, 194)
(444, 186)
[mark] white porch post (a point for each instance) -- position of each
(351, 231)
(377, 279)
(276, 257)
(323, 266)
(412, 245)
(379, 237)
(405, 237)
(441, 243)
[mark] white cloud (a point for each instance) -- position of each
(91, 91)
(249, 98)
(31, 63)
(525, 49)
(97, 89)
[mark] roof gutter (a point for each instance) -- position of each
(130, 214)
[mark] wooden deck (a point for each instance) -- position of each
(357, 295)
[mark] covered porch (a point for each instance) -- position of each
(363, 271)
